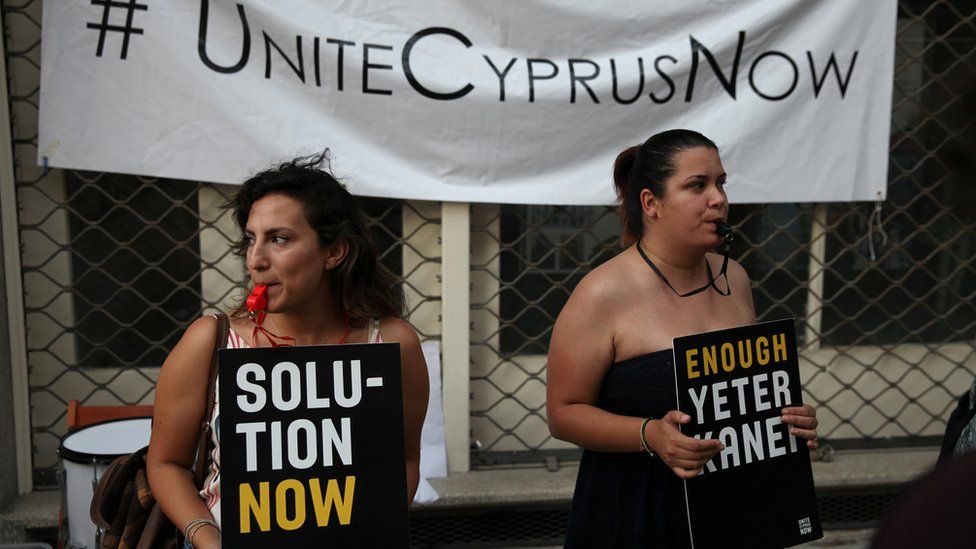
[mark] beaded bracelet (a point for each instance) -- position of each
(643, 438)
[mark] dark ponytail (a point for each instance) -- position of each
(628, 210)
(649, 166)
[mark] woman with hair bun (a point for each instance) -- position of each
(610, 369)
(303, 238)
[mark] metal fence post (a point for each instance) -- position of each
(816, 268)
(455, 322)
(17, 336)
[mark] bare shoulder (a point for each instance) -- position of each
(604, 284)
(415, 380)
(188, 363)
(200, 336)
(397, 330)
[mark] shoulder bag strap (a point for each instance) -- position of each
(205, 441)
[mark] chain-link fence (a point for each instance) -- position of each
(115, 266)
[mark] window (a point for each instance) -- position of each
(135, 265)
(545, 252)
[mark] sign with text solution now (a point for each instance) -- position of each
(312, 449)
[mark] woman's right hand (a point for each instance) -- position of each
(683, 454)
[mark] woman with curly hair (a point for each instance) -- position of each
(304, 238)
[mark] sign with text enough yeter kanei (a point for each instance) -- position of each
(312, 450)
(758, 490)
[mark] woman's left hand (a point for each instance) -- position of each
(803, 423)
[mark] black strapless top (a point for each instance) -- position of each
(629, 499)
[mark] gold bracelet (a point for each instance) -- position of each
(198, 526)
(643, 438)
(194, 525)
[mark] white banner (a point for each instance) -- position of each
(490, 101)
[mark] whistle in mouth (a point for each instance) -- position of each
(724, 230)
(257, 303)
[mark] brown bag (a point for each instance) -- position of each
(123, 505)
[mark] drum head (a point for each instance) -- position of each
(106, 441)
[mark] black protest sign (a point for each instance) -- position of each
(758, 490)
(311, 447)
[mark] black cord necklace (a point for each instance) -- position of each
(708, 271)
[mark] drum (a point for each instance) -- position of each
(85, 453)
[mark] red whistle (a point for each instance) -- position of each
(257, 303)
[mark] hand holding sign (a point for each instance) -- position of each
(803, 423)
(683, 454)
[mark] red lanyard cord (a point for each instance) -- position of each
(285, 341)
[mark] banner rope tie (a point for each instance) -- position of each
(875, 219)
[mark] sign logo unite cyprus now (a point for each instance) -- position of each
(312, 448)
(734, 384)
